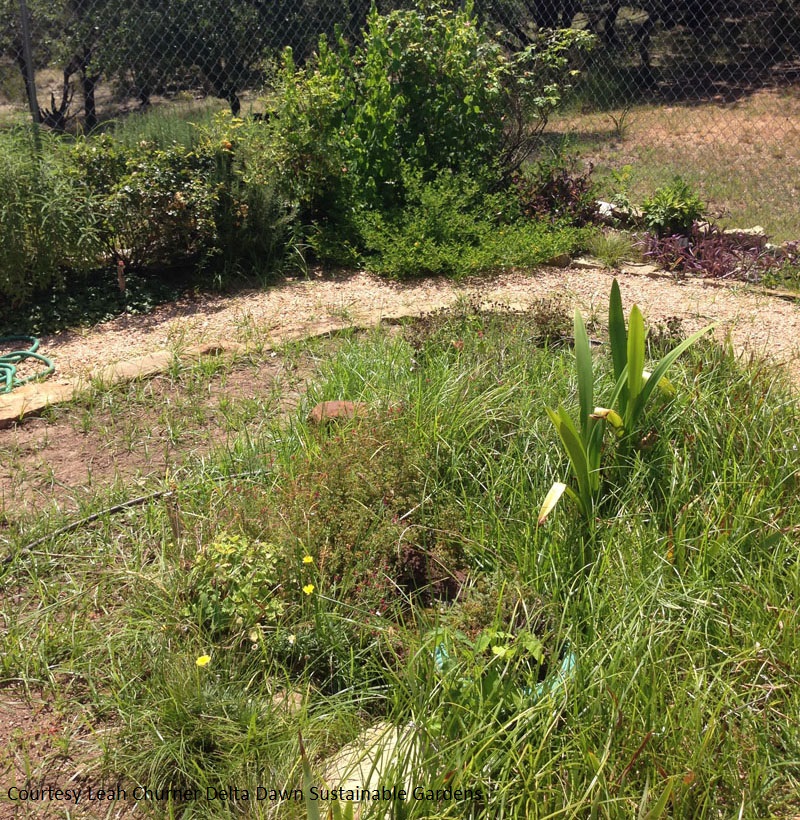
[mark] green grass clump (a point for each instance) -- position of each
(677, 648)
(46, 219)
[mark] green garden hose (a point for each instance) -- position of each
(9, 362)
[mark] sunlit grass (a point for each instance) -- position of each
(684, 630)
(743, 158)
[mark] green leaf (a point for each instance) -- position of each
(532, 645)
(661, 805)
(308, 781)
(616, 331)
(576, 452)
(635, 363)
(583, 361)
(661, 368)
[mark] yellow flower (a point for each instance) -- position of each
(308, 589)
(203, 660)
(307, 559)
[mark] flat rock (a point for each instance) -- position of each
(383, 755)
(32, 398)
(586, 263)
(756, 230)
(138, 368)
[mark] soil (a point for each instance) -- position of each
(63, 457)
(42, 742)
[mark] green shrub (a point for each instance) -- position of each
(155, 205)
(451, 226)
(555, 189)
(672, 209)
(234, 584)
(427, 90)
(159, 206)
(251, 219)
(47, 221)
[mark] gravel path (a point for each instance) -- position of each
(758, 324)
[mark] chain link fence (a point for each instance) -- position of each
(665, 74)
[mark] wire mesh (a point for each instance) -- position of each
(721, 73)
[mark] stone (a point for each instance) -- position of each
(382, 755)
(562, 260)
(32, 398)
(139, 368)
(756, 230)
(326, 411)
(609, 212)
(587, 263)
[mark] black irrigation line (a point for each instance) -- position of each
(123, 505)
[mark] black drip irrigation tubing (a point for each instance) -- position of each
(10, 360)
(124, 505)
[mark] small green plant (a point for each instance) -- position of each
(672, 209)
(583, 443)
(556, 188)
(234, 585)
(621, 122)
(612, 247)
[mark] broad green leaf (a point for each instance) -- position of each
(583, 362)
(661, 368)
(616, 331)
(635, 362)
(532, 645)
(576, 451)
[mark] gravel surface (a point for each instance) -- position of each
(758, 324)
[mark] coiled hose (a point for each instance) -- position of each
(9, 361)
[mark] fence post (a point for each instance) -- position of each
(27, 53)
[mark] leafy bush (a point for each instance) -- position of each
(451, 226)
(426, 90)
(159, 205)
(234, 584)
(251, 220)
(156, 206)
(672, 209)
(46, 218)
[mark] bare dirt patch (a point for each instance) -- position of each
(42, 744)
(139, 432)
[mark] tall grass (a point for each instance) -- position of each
(179, 123)
(46, 219)
(683, 701)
